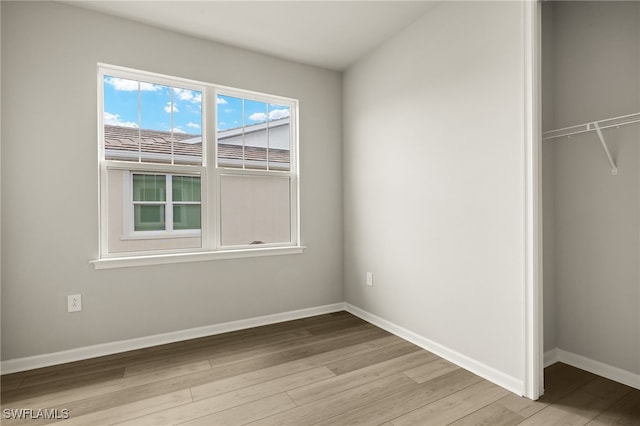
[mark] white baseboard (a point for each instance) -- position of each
(596, 367)
(550, 357)
(510, 383)
(77, 354)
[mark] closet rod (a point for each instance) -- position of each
(596, 126)
(589, 127)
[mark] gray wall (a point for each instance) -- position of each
(595, 74)
(49, 187)
(433, 181)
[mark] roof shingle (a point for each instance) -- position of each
(124, 142)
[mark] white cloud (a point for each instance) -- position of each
(275, 114)
(114, 120)
(258, 116)
(149, 87)
(177, 130)
(194, 125)
(188, 95)
(124, 85)
(168, 107)
(221, 101)
(278, 113)
(183, 94)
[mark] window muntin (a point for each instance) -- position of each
(196, 211)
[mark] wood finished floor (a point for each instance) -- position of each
(331, 369)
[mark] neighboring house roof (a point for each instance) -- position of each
(126, 143)
(131, 139)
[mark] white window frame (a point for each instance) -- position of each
(209, 172)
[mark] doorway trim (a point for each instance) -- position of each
(533, 300)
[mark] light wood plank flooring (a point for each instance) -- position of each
(331, 369)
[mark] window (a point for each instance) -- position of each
(163, 204)
(193, 167)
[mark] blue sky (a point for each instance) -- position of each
(157, 109)
(230, 112)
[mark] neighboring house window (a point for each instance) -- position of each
(163, 204)
(188, 166)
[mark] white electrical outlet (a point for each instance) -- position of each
(370, 279)
(74, 303)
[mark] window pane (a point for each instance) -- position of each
(156, 111)
(255, 209)
(121, 121)
(186, 216)
(186, 188)
(148, 217)
(255, 134)
(187, 126)
(279, 137)
(230, 131)
(152, 122)
(149, 187)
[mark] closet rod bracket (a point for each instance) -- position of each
(614, 168)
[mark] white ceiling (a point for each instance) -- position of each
(328, 34)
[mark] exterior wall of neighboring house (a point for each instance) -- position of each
(118, 241)
(255, 209)
(264, 203)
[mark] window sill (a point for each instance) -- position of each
(163, 259)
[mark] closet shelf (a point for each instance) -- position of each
(596, 126)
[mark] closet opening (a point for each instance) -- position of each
(590, 184)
